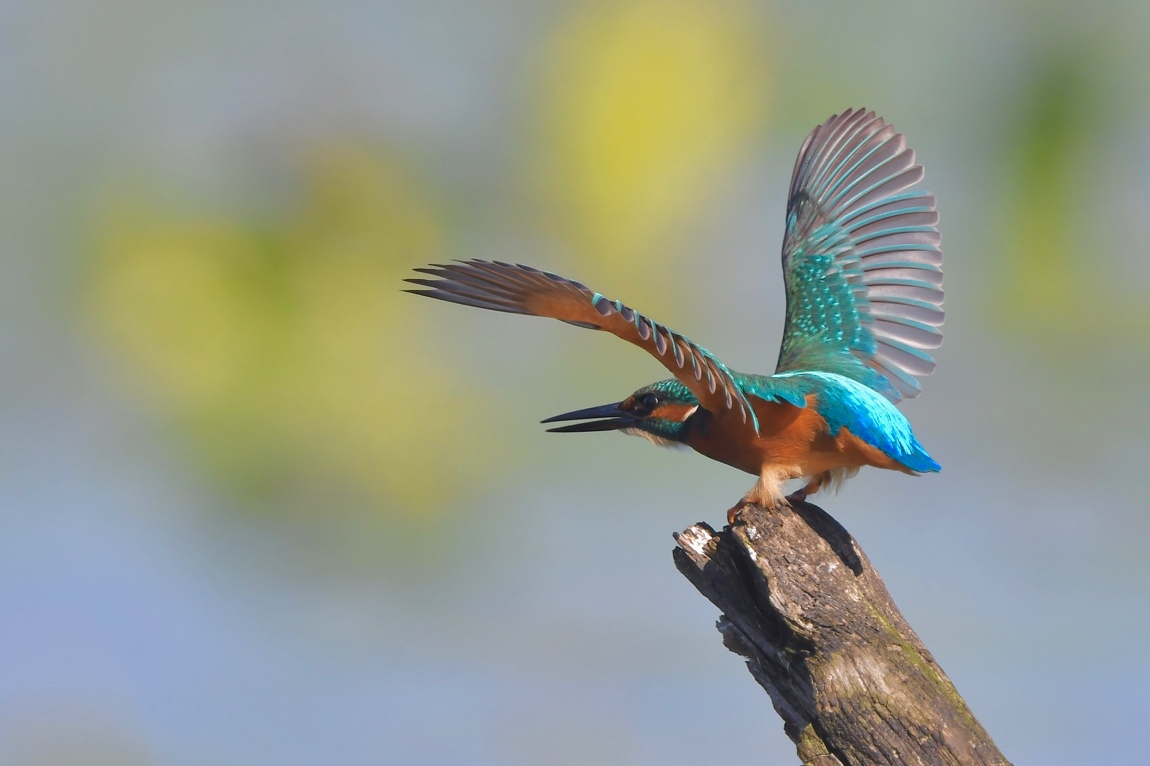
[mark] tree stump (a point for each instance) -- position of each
(852, 682)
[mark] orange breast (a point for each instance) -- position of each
(788, 436)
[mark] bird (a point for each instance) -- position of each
(862, 271)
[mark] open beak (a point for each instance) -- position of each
(606, 418)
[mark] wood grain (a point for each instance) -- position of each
(852, 682)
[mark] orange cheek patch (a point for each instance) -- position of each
(674, 412)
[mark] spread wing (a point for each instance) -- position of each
(861, 259)
(523, 290)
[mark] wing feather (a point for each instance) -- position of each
(861, 258)
(520, 289)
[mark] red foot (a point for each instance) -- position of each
(733, 513)
(798, 496)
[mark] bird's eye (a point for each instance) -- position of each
(649, 401)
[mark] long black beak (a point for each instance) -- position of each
(618, 419)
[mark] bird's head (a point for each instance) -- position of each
(660, 413)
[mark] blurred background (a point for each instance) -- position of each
(259, 507)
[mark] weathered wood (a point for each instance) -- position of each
(852, 682)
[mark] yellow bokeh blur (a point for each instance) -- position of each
(646, 104)
(285, 351)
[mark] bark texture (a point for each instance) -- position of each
(852, 682)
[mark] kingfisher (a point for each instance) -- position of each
(862, 269)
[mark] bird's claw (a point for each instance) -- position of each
(798, 496)
(733, 512)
